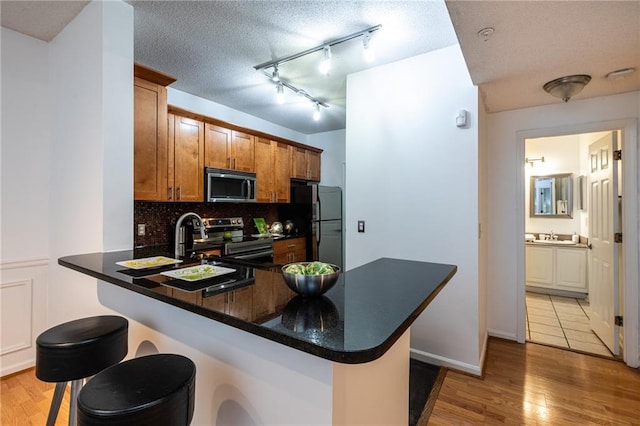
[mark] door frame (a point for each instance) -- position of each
(630, 190)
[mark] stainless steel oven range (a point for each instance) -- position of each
(229, 233)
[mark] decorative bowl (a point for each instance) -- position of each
(310, 314)
(310, 285)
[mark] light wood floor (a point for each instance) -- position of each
(535, 384)
(523, 384)
(25, 400)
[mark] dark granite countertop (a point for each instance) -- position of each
(356, 321)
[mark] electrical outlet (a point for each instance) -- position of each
(142, 229)
(361, 226)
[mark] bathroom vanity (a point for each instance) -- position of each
(557, 267)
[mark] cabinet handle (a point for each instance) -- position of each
(235, 163)
(229, 162)
(170, 194)
(290, 245)
(179, 193)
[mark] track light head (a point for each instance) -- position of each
(325, 65)
(316, 112)
(275, 77)
(280, 93)
(368, 53)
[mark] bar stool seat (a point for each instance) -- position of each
(153, 390)
(75, 350)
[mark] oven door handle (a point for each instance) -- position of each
(252, 255)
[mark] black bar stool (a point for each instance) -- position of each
(75, 350)
(153, 390)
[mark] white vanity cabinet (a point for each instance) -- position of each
(558, 268)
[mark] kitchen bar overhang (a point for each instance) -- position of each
(357, 321)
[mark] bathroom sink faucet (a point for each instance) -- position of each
(203, 232)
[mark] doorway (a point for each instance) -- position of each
(559, 262)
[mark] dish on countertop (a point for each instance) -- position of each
(197, 273)
(148, 262)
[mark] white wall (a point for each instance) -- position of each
(91, 202)
(412, 175)
(333, 156)
(24, 185)
(67, 143)
(25, 148)
(504, 167)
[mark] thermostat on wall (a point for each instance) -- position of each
(461, 118)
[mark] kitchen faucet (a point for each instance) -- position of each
(203, 231)
(553, 236)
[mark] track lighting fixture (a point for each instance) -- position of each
(274, 75)
(280, 93)
(316, 112)
(325, 65)
(368, 54)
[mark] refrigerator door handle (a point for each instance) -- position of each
(318, 234)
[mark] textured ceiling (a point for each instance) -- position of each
(212, 46)
(39, 19)
(538, 41)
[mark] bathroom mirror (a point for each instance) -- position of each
(551, 196)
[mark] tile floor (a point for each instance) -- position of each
(562, 322)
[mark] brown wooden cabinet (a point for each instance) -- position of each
(289, 250)
(305, 164)
(237, 303)
(150, 134)
(270, 294)
(272, 171)
(186, 159)
(228, 149)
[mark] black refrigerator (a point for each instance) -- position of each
(316, 212)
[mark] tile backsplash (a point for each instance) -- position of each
(160, 218)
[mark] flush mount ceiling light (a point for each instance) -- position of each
(567, 87)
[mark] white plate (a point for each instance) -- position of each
(148, 262)
(197, 273)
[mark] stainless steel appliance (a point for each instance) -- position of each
(230, 186)
(228, 233)
(317, 212)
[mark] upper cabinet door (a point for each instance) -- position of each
(217, 144)
(149, 141)
(282, 169)
(188, 153)
(264, 170)
(305, 164)
(313, 164)
(298, 163)
(242, 151)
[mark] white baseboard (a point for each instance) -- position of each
(445, 362)
(501, 334)
(18, 366)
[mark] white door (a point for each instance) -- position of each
(603, 223)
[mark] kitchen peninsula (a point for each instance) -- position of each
(351, 345)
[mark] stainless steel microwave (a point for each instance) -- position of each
(229, 186)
